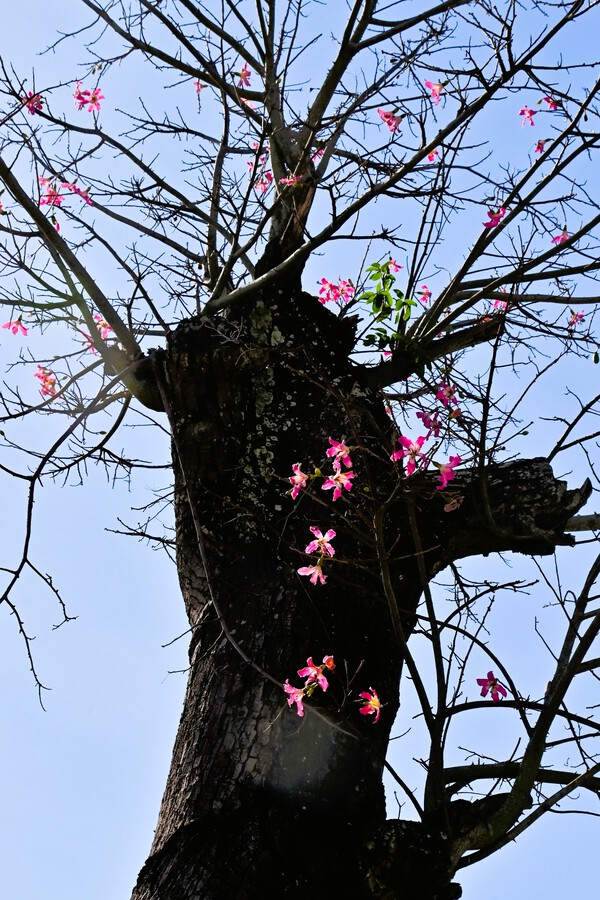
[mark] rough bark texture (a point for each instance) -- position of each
(259, 802)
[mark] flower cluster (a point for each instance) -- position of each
(319, 545)
(33, 102)
(412, 450)
(48, 381)
(51, 196)
(576, 318)
(314, 676)
(342, 292)
(290, 180)
(84, 98)
(493, 687)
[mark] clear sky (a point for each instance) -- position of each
(82, 779)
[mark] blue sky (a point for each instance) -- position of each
(82, 780)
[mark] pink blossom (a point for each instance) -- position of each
(51, 197)
(492, 686)
(389, 119)
(528, 115)
(318, 154)
(412, 450)
(298, 479)
(244, 76)
(372, 706)
(48, 380)
(552, 104)
(575, 319)
(447, 471)
(290, 180)
(84, 98)
(16, 327)
(315, 572)
(296, 695)
(433, 155)
(343, 292)
(562, 237)
(431, 423)
(539, 147)
(71, 186)
(247, 102)
(262, 186)
(425, 294)
(446, 393)
(502, 305)
(33, 102)
(392, 266)
(495, 218)
(314, 673)
(340, 451)
(436, 90)
(103, 327)
(321, 542)
(338, 481)
(199, 86)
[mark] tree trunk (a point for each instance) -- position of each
(260, 802)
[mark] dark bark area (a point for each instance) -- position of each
(259, 802)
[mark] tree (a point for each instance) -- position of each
(298, 539)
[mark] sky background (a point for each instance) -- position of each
(82, 779)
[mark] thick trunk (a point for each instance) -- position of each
(260, 802)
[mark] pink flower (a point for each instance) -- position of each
(338, 481)
(431, 423)
(290, 180)
(51, 197)
(562, 237)
(447, 471)
(412, 450)
(314, 673)
(296, 695)
(502, 305)
(344, 291)
(539, 147)
(262, 186)
(84, 98)
(436, 90)
(446, 393)
(425, 294)
(392, 266)
(103, 326)
(315, 573)
(340, 451)
(492, 686)
(48, 380)
(552, 104)
(433, 155)
(16, 327)
(71, 186)
(575, 319)
(298, 479)
(321, 542)
(199, 86)
(244, 76)
(372, 706)
(495, 218)
(389, 119)
(94, 100)
(33, 102)
(528, 115)
(318, 154)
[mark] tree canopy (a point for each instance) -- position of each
(349, 264)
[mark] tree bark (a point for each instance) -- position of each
(260, 802)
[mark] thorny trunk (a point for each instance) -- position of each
(260, 802)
